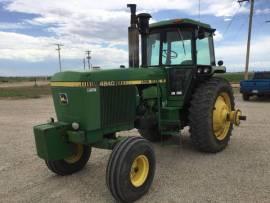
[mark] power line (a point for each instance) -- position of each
(231, 21)
(59, 55)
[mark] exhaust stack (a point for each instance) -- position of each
(133, 38)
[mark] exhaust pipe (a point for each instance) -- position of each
(133, 38)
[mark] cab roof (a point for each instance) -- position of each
(183, 21)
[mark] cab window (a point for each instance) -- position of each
(203, 50)
(176, 49)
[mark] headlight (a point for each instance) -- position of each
(206, 70)
(75, 126)
(200, 70)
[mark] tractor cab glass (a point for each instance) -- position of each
(174, 47)
(170, 47)
(205, 49)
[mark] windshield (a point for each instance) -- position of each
(169, 48)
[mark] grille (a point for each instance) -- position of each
(178, 79)
(117, 105)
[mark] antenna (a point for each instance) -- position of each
(199, 10)
(59, 55)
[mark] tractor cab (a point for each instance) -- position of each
(180, 42)
(173, 43)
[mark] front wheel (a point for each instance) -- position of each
(131, 168)
(73, 163)
(209, 113)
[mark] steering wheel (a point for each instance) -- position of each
(173, 54)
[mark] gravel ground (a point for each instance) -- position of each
(241, 173)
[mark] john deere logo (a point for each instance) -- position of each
(63, 98)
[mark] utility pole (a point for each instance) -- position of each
(84, 63)
(249, 35)
(88, 57)
(59, 55)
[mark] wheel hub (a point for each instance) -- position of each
(221, 116)
(78, 152)
(139, 170)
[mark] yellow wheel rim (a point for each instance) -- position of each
(139, 170)
(221, 112)
(78, 152)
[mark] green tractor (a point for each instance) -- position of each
(173, 87)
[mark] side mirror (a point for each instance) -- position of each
(220, 63)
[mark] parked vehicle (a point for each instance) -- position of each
(259, 85)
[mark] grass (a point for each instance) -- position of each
(21, 79)
(25, 92)
(234, 77)
(38, 91)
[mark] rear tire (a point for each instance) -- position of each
(245, 97)
(130, 170)
(72, 164)
(204, 135)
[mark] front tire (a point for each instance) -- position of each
(130, 170)
(73, 163)
(208, 115)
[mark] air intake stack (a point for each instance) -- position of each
(143, 24)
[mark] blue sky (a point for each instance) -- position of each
(29, 30)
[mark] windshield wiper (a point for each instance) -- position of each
(182, 39)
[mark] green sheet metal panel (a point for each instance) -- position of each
(51, 142)
(82, 106)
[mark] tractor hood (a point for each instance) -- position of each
(129, 74)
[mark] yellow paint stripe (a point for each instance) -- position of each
(105, 83)
(65, 84)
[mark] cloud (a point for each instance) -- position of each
(12, 26)
(22, 47)
(234, 54)
(262, 11)
(218, 36)
(101, 27)
(107, 21)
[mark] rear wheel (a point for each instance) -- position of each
(208, 115)
(73, 163)
(130, 170)
(245, 97)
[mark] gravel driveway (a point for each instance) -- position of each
(241, 173)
